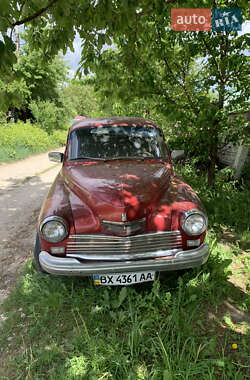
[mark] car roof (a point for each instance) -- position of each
(112, 121)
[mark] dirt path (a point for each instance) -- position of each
(23, 186)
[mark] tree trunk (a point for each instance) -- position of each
(215, 127)
(212, 157)
(17, 41)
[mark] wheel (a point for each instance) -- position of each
(37, 250)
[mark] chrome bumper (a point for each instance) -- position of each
(73, 267)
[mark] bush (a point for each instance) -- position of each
(227, 204)
(18, 140)
(245, 174)
(59, 137)
(2, 117)
(49, 116)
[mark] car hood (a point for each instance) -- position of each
(111, 188)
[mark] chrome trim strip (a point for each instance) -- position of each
(123, 257)
(110, 246)
(70, 266)
(117, 249)
(121, 249)
(116, 245)
(96, 243)
(124, 223)
(149, 234)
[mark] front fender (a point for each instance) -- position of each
(177, 199)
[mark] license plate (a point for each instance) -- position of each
(123, 278)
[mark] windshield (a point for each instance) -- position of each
(111, 142)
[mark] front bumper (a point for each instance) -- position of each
(73, 267)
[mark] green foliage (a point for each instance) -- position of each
(49, 116)
(76, 98)
(227, 204)
(193, 80)
(81, 98)
(7, 50)
(179, 88)
(33, 79)
(140, 332)
(36, 86)
(13, 134)
(246, 172)
(140, 107)
(43, 78)
(13, 93)
(59, 137)
(18, 140)
(2, 117)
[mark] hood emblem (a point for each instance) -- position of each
(124, 217)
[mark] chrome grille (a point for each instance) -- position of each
(124, 228)
(106, 247)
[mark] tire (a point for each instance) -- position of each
(37, 250)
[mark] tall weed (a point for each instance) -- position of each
(18, 140)
(227, 203)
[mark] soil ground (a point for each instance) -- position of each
(23, 186)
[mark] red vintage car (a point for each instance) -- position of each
(117, 210)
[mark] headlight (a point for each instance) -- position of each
(54, 229)
(194, 222)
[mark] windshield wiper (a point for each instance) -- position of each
(161, 159)
(117, 158)
(125, 158)
(87, 158)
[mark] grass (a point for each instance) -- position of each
(180, 327)
(18, 153)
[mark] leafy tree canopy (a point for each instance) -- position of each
(32, 78)
(197, 78)
(55, 23)
(44, 79)
(82, 98)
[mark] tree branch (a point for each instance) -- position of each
(160, 93)
(149, 11)
(231, 94)
(234, 73)
(183, 86)
(179, 83)
(213, 58)
(35, 15)
(11, 32)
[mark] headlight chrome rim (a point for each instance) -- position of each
(187, 214)
(58, 219)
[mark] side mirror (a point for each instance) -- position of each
(56, 156)
(177, 155)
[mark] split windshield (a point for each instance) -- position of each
(112, 142)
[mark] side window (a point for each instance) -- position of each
(73, 145)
